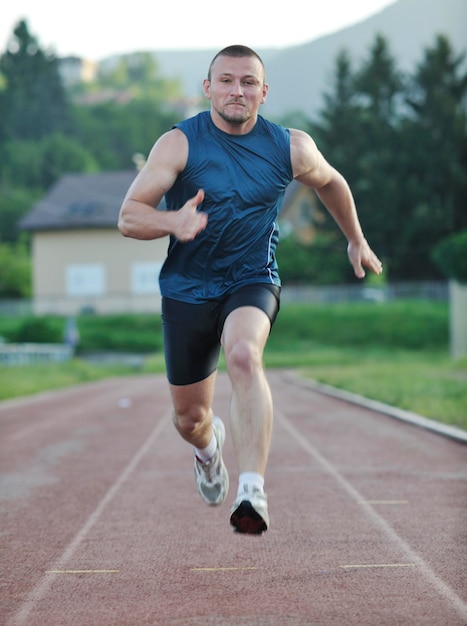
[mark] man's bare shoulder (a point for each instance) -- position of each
(303, 152)
(170, 152)
(173, 140)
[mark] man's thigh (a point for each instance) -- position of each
(191, 343)
(192, 332)
(262, 296)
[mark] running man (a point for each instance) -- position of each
(223, 173)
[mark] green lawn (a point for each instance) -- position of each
(395, 353)
(428, 383)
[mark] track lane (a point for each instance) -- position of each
(120, 536)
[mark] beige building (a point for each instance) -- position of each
(81, 262)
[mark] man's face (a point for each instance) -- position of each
(236, 91)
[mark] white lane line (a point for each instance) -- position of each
(221, 569)
(385, 501)
(377, 565)
(453, 432)
(40, 590)
(82, 571)
(441, 587)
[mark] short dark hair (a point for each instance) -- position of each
(235, 51)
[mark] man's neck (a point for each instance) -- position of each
(231, 128)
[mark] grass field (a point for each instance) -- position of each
(427, 383)
(396, 354)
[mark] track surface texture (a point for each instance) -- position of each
(101, 523)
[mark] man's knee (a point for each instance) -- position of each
(188, 419)
(243, 356)
(192, 406)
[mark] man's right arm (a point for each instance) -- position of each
(139, 217)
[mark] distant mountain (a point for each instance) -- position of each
(298, 76)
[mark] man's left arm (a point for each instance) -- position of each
(311, 169)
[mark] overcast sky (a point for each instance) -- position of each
(95, 30)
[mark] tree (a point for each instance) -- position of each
(14, 203)
(379, 86)
(138, 74)
(358, 129)
(135, 105)
(15, 271)
(450, 255)
(337, 135)
(323, 262)
(43, 136)
(34, 102)
(338, 127)
(113, 133)
(433, 168)
(401, 142)
(37, 164)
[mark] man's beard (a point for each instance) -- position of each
(238, 118)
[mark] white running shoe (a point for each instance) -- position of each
(212, 477)
(249, 513)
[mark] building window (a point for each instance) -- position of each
(145, 278)
(85, 279)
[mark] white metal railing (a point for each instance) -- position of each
(26, 353)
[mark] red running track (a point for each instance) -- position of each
(101, 524)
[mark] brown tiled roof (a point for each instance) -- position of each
(80, 201)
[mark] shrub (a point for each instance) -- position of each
(450, 256)
(121, 333)
(38, 330)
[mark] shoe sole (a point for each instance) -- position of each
(246, 520)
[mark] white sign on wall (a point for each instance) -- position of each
(85, 279)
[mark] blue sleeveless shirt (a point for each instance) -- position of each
(244, 178)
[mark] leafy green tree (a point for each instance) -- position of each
(15, 270)
(14, 203)
(42, 136)
(337, 135)
(339, 123)
(433, 167)
(37, 164)
(113, 133)
(135, 104)
(137, 74)
(358, 130)
(323, 262)
(401, 143)
(379, 86)
(34, 102)
(450, 256)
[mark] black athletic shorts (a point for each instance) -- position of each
(192, 332)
